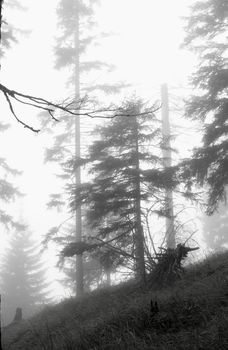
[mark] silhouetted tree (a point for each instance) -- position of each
(126, 175)
(206, 35)
(78, 35)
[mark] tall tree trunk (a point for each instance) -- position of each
(1, 5)
(167, 161)
(139, 236)
(78, 217)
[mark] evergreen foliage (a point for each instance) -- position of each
(65, 52)
(23, 281)
(8, 193)
(79, 64)
(8, 31)
(89, 36)
(121, 162)
(92, 268)
(206, 35)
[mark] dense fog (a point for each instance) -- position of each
(95, 133)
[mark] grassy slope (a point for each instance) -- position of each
(193, 314)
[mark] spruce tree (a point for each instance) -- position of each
(206, 35)
(126, 176)
(8, 192)
(7, 30)
(6, 33)
(78, 35)
(23, 281)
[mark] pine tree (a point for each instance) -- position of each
(23, 282)
(206, 35)
(121, 185)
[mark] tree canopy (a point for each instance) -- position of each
(206, 34)
(126, 177)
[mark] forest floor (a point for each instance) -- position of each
(192, 314)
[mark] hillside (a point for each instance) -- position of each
(192, 314)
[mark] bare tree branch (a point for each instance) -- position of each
(74, 108)
(14, 114)
(107, 244)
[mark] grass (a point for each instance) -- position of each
(193, 314)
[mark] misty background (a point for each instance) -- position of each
(141, 43)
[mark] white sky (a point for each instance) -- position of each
(145, 51)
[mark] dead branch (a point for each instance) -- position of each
(78, 248)
(73, 108)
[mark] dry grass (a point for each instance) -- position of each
(193, 314)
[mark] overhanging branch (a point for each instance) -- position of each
(74, 108)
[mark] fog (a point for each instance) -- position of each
(144, 48)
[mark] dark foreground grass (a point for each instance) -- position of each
(193, 314)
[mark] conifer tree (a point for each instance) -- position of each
(206, 35)
(126, 175)
(78, 35)
(23, 281)
(8, 191)
(6, 33)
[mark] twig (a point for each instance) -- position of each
(14, 114)
(49, 235)
(50, 107)
(190, 236)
